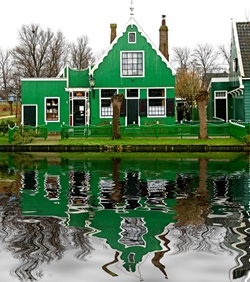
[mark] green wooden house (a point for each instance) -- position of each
(230, 96)
(132, 65)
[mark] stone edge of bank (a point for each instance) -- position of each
(124, 148)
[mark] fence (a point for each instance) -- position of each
(240, 130)
(32, 131)
(237, 130)
(155, 130)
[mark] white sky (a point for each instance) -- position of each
(189, 22)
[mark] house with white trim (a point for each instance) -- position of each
(132, 65)
(230, 96)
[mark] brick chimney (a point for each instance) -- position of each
(164, 38)
(113, 32)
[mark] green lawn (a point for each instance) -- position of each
(56, 140)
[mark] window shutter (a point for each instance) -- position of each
(123, 109)
(143, 107)
(170, 107)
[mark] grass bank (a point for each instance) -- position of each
(147, 141)
(56, 140)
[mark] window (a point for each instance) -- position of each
(131, 37)
(133, 231)
(52, 187)
(52, 109)
(132, 93)
(132, 64)
(156, 102)
(106, 105)
(220, 94)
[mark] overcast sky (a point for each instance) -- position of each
(189, 22)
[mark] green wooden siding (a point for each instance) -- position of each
(35, 92)
(108, 74)
(78, 78)
(156, 75)
(216, 86)
(247, 100)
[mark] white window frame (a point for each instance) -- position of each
(129, 41)
(220, 97)
(45, 109)
(106, 98)
(152, 110)
(121, 63)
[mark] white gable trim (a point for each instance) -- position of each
(237, 45)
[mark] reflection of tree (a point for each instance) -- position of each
(117, 195)
(159, 255)
(105, 266)
(192, 209)
(191, 230)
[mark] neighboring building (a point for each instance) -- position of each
(132, 65)
(230, 96)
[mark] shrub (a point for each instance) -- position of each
(21, 136)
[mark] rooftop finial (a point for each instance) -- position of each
(132, 9)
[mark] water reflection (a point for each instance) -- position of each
(143, 212)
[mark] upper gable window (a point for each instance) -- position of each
(131, 37)
(132, 63)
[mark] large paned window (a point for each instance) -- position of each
(132, 64)
(106, 105)
(52, 109)
(156, 102)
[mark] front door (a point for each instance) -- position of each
(79, 112)
(29, 115)
(221, 110)
(132, 106)
(132, 111)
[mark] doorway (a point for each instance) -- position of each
(79, 109)
(29, 115)
(132, 106)
(221, 109)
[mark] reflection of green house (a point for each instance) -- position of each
(230, 96)
(130, 209)
(58, 190)
(132, 65)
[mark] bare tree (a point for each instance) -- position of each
(205, 61)
(225, 53)
(187, 86)
(182, 57)
(201, 99)
(39, 53)
(80, 53)
(57, 54)
(5, 71)
(116, 101)
(194, 77)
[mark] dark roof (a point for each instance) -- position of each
(243, 30)
(209, 76)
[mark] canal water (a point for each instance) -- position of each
(125, 217)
